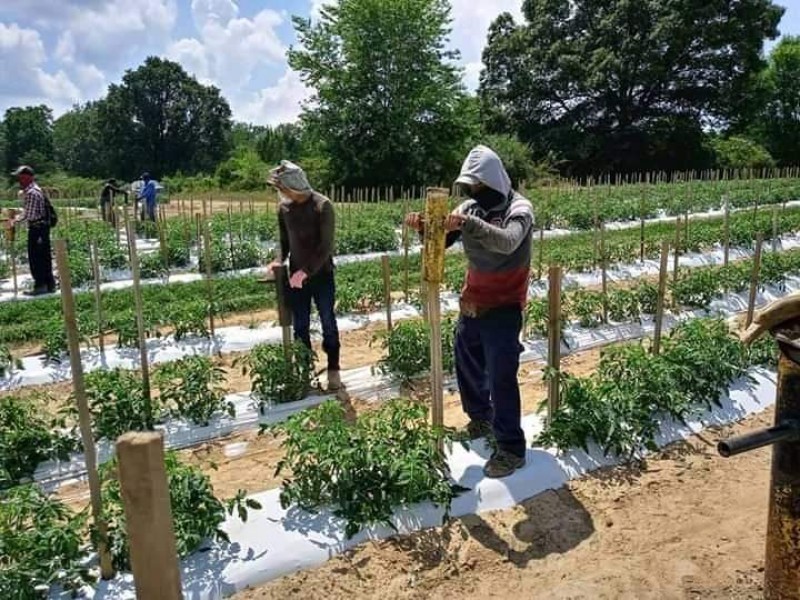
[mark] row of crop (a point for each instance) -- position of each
(183, 307)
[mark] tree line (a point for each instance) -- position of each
(578, 87)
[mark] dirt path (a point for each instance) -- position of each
(686, 525)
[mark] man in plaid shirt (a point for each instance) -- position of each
(36, 215)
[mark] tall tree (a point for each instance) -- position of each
(601, 82)
(780, 124)
(29, 137)
(78, 142)
(389, 107)
(283, 141)
(161, 119)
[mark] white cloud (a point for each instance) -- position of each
(471, 21)
(22, 55)
(280, 103)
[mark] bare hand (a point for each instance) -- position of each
(275, 264)
(454, 222)
(298, 279)
(414, 221)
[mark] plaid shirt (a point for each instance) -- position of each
(34, 209)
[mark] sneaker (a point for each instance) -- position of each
(502, 464)
(479, 429)
(334, 380)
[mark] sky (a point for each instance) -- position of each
(63, 52)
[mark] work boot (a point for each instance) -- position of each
(334, 380)
(502, 464)
(479, 429)
(37, 291)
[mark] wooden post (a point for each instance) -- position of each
(12, 249)
(775, 232)
(162, 245)
(604, 268)
(387, 290)
(726, 233)
(436, 211)
(751, 303)
(139, 306)
(209, 280)
(98, 297)
(284, 311)
(677, 250)
(130, 234)
(660, 302)
(406, 236)
(554, 340)
(84, 417)
(641, 229)
(230, 239)
(540, 270)
(148, 515)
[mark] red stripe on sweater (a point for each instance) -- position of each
(494, 289)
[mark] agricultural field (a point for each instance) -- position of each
(240, 416)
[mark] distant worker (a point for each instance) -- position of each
(495, 229)
(306, 222)
(37, 214)
(107, 196)
(148, 194)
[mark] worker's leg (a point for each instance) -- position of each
(500, 331)
(47, 260)
(323, 289)
(471, 371)
(151, 211)
(39, 257)
(300, 303)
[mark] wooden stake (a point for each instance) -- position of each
(230, 239)
(98, 297)
(641, 229)
(540, 270)
(148, 516)
(209, 280)
(727, 232)
(436, 210)
(12, 250)
(406, 236)
(751, 304)
(139, 305)
(554, 340)
(660, 302)
(604, 268)
(775, 231)
(677, 249)
(284, 311)
(84, 417)
(387, 290)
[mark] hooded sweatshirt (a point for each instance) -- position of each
(497, 242)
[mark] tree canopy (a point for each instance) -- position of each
(780, 121)
(389, 106)
(28, 137)
(621, 85)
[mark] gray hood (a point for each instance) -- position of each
(484, 166)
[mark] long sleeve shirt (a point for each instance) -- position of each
(307, 234)
(34, 208)
(148, 192)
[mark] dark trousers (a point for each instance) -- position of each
(322, 289)
(148, 211)
(40, 256)
(487, 352)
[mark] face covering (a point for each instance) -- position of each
(486, 197)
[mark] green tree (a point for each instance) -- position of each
(389, 106)
(740, 153)
(161, 119)
(780, 123)
(29, 136)
(79, 143)
(281, 142)
(601, 82)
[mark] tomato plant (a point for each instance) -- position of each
(407, 349)
(276, 379)
(117, 403)
(363, 471)
(192, 388)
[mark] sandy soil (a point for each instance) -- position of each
(687, 524)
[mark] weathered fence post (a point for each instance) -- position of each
(140, 326)
(661, 300)
(148, 515)
(387, 290)
(554, 340)
(84, 417)
(751, 303)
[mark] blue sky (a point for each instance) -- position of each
(60, 52)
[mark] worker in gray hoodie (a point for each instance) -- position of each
(495, 227)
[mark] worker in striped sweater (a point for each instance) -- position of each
(494, 226)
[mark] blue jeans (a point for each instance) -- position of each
(322, 289)
(487, 352)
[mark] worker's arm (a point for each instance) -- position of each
(27, 207)
(503, 240)
(324, 251)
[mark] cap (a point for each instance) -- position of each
(23, 169)
(467, 179)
